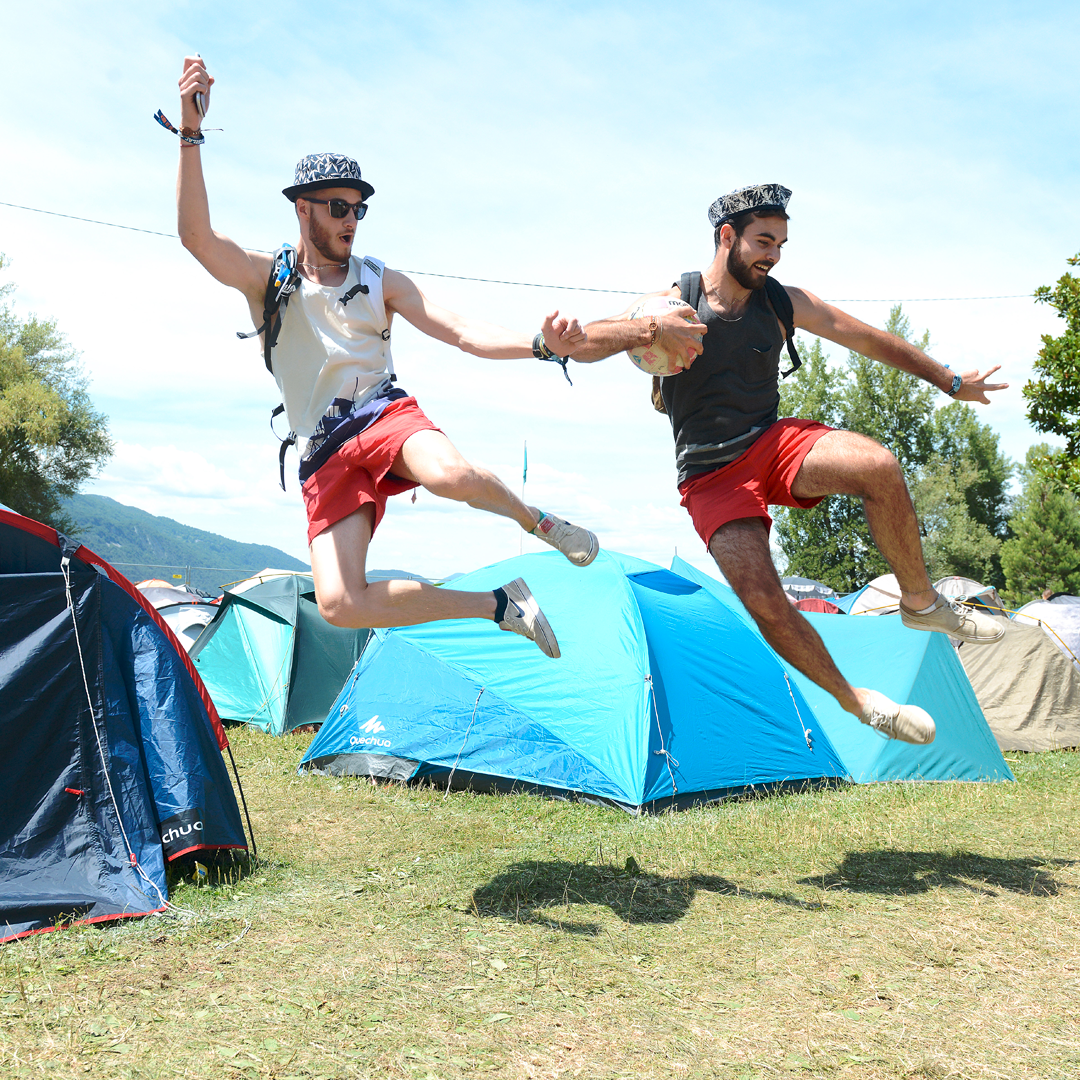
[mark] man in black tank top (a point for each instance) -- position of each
(735, 458)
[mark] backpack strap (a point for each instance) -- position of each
(784, 310)
(689, 285)
(690, 288)
(284, 280)
(370, 274)
(289, 440)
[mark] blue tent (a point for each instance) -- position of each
(111, 762)
(662, 697)
(906, 665)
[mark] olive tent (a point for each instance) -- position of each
(1027, 686)
(112, 752)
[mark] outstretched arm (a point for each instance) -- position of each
(401, 296)
(816, 317)
(224, 258)
(619, 332)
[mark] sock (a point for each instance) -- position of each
(501, 600)
(539, 522)
(927, 610)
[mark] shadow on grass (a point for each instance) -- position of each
(544, 892)
(902, 873)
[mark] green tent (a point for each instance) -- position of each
(270, 659)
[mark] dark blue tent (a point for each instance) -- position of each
(111, 760)
(661, 698)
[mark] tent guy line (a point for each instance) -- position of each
(541, 285)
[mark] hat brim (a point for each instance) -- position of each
(761, 211)
(297, 190)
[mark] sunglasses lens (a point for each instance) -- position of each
(339, 208)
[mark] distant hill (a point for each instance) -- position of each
(141, 545)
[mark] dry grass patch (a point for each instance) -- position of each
(897, 931)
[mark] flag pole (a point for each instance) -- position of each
(524, 474)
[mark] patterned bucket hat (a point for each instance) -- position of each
(326, 170)
(758, 197)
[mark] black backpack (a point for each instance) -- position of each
(779, 301)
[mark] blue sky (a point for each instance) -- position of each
(932, 150)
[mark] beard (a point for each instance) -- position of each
(742, 269)
(327, 243)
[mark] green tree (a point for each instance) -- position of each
(1053, 396)
(953, 541)
(1044, 550)
(51, 439)
(955, 470)
(831, 542)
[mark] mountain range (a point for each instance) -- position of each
(142, 546)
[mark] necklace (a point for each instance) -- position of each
(322, 266)
(722, 318)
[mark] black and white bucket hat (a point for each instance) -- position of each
(326, 170)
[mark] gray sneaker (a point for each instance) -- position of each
(961, 621)
(579, 545)
(908, 723)
(523, 616)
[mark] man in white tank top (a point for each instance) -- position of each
(366, 439)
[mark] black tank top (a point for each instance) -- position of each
(730, 394)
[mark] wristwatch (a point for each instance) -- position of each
(957, 382)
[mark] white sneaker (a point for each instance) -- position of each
(907, 723)
(961, 621)
(523, 616)
(579, 545)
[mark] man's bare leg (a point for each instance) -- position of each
(847, 463)
(346, 598)
(431, 459)
(741, 550)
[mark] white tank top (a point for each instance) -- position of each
(329, 350)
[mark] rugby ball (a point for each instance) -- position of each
(656, 359)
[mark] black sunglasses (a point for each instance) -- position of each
(339, 208)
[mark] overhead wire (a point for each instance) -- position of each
(536, 284)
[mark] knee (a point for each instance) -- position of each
(452, 480)
(881, 469)
(769, 608)
(343, 607)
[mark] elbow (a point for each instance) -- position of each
(191, 240)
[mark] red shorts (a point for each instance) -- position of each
(761, 477)
(359, 472)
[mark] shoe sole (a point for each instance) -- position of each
(544, 636)
(594, 550)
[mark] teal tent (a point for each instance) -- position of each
(661, 698)
(270, 659)
(907, 666)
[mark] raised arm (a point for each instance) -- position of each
(618, 332)
(401, 296)
(816, 317)
(224, 258)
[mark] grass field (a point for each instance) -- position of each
(897, 930)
